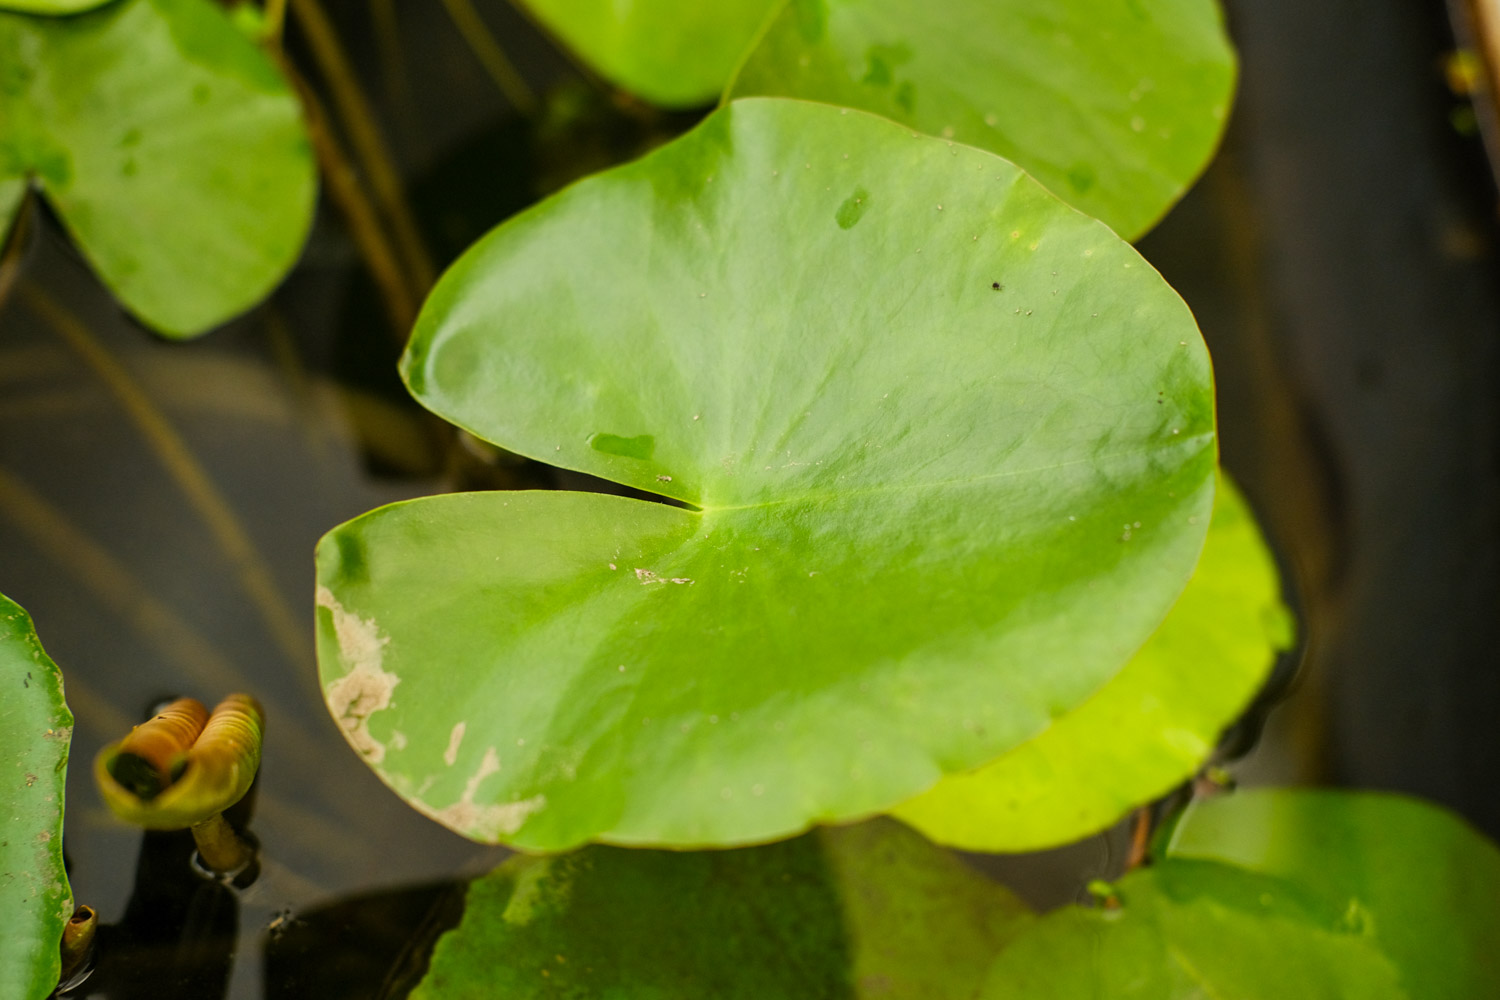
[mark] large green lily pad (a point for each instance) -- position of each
(948, 446)
(1151, 728)
(676, 53)
(35, 729)
(867, 911)
(1115, 106)
(1269, 894)
(171, 147)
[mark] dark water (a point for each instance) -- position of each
(1340, 256)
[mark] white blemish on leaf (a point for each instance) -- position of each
(455, 738)
(485, 822)
(366, 688)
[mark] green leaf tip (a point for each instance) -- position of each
(171, 147)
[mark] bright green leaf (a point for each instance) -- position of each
(676, 53)
(1152, 727)
(933, 514)
(170, 146)
(1115, 106)
(1190, 931)
(1422, 881)
(866, 911)
(1269, 894)
(35, 729)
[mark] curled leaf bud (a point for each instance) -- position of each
(166, 776)
(154, 754)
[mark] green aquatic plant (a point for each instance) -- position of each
(171, 147)
(882, 479)
(36, 728)
(182, 769)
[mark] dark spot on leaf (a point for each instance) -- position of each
(130, 138)
(852, 209)
(642, 446)
(201, 93)
(997, 286)
(1082, 177)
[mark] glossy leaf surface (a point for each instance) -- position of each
(1151, 728)
(1424, 881)
(1116, 107)
(35, 730)
(170, 146)
(1274, 893)
(676, 53)
(907, 555)
(865, 911)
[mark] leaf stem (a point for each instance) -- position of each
(370, 146)
(491, 55)
(1140, 839)
(221, 849)
(374, 245)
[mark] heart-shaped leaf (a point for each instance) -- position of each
(949, 447)
(1150, 728)
(170, 146)
(1116, 107)
(1276, 893)
(866, 911)
(676, 53)
(35, 730)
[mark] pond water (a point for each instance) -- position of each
(159, 503)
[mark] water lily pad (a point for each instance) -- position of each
(676, 53)
(171, 147)
(1151, 728)
(1422, 882)
(1116, 107)
(35, 730)
(867, 911)
(1274, 893)
(946, 447)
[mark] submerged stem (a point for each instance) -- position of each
(370, 146)
(221, 849)
(491, 55)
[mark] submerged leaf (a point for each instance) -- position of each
(35, 729)
(905, 555)
(1149, 729)
(676, 53)
(1268, 894)
(171, 147)
(867, 911)
(1115, 106)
